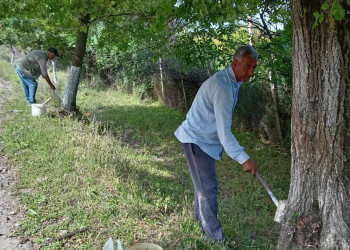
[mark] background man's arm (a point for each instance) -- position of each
(48, 80)
(43, 69)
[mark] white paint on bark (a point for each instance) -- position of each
(69, 98)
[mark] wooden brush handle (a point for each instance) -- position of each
(47, 100)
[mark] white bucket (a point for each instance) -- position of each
(38, 110)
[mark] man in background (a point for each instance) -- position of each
(30, 67)
(206, 132)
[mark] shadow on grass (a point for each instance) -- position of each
(246, 209)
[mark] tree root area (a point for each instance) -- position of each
(305, 233)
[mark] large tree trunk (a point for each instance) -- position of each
(318, 214)
(70, 93)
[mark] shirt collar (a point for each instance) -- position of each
(232, 76)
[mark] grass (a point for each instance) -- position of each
(120, 172)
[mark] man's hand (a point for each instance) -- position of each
(47, 79)
(250, 166)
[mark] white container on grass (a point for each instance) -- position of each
(38, 109)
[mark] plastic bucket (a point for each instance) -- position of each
(38, 110)
(144, 246)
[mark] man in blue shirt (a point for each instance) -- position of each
(206, 132)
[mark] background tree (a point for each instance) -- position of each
(77, 17)
(319, 198)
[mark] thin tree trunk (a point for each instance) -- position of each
(319, 199)
(250, 31)
(275, 110)
(13, 54)
(184, 93)
(70, 93)
(208, 68)
(161, 78)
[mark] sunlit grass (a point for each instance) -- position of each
(121, 174)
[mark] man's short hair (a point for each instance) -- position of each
(245, 50)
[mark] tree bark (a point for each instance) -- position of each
(70, 93)
(319, 198)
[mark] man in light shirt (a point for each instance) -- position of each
(30, 67)
(206, 132)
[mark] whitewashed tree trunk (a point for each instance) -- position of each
(70, 93)
(319, 198)
(161, 78)
(12, 54)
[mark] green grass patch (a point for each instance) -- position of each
(122, 174)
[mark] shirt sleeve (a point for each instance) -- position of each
(43, 67)
(223, 101)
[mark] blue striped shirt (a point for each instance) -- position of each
(209, 120)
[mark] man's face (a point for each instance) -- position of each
(244, 68)
(52, 55)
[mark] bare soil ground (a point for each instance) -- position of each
(11, 212)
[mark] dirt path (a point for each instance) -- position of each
(10, 210)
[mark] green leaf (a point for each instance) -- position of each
(325, 6)
(348, 2)
(316, 15)
(83, 29)
(314, 25)
(168, 8)
(321, 18)
(338, 11)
